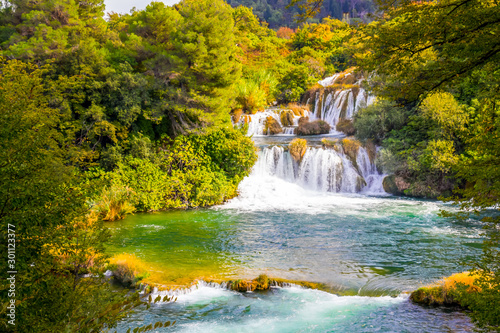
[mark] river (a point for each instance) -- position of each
(365, 248)
(324, 219)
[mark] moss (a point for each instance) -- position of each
(297, 149)
(263, 283)
(446, 292)
(272, 127)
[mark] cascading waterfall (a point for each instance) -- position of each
(256, 122)
(322, 170)
(331, 106)
(369, 172)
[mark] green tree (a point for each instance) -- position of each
(56, 240)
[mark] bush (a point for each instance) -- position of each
(286, 118)
(115, 203)
(128, 269)
(298, 148)
(377, 120)
(191, 171)
(313, 128)
(346, 126)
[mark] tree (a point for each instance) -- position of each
(56, 240)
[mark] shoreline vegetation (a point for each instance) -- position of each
(102, 116)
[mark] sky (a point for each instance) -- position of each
(124, 6)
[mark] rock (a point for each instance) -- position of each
(395, 185)
(346, 126)
(272, 127)
(312, 128)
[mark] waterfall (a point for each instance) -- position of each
(369, 172)
(257, 122)
(339, 99)
(322, 170)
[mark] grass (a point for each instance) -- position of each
(114, 203)
(445, 291)
(128, 269)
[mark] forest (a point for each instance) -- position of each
(103, 116)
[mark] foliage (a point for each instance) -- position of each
(440, 60)
(191, 171)
(419, 47)
(376, 121)
(298, 148)
(128, 269)
(346, 126)
(56, 239)
(285, 13)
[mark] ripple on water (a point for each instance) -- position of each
(209, 309)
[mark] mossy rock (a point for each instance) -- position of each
(236, 115)
(316, 127)
(390, 185)
(346, 126)
(351, 148)
(433, 296)
(360, 183)
(272, 127)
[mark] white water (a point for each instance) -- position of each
(340, 104)
(321, 170)
(328, 106)
(256, 122)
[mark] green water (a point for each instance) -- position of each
(355, 245)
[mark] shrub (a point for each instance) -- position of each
(377, 120)
(286, 118)
(346, 126)
(114, 203)
(313, 128)
(297, 109)
(128, 269)
(298, 148)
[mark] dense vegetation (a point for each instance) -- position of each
(436, 70)
(284, 13)
(101, 118)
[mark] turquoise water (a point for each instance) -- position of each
(354, 244)
(367, 252)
